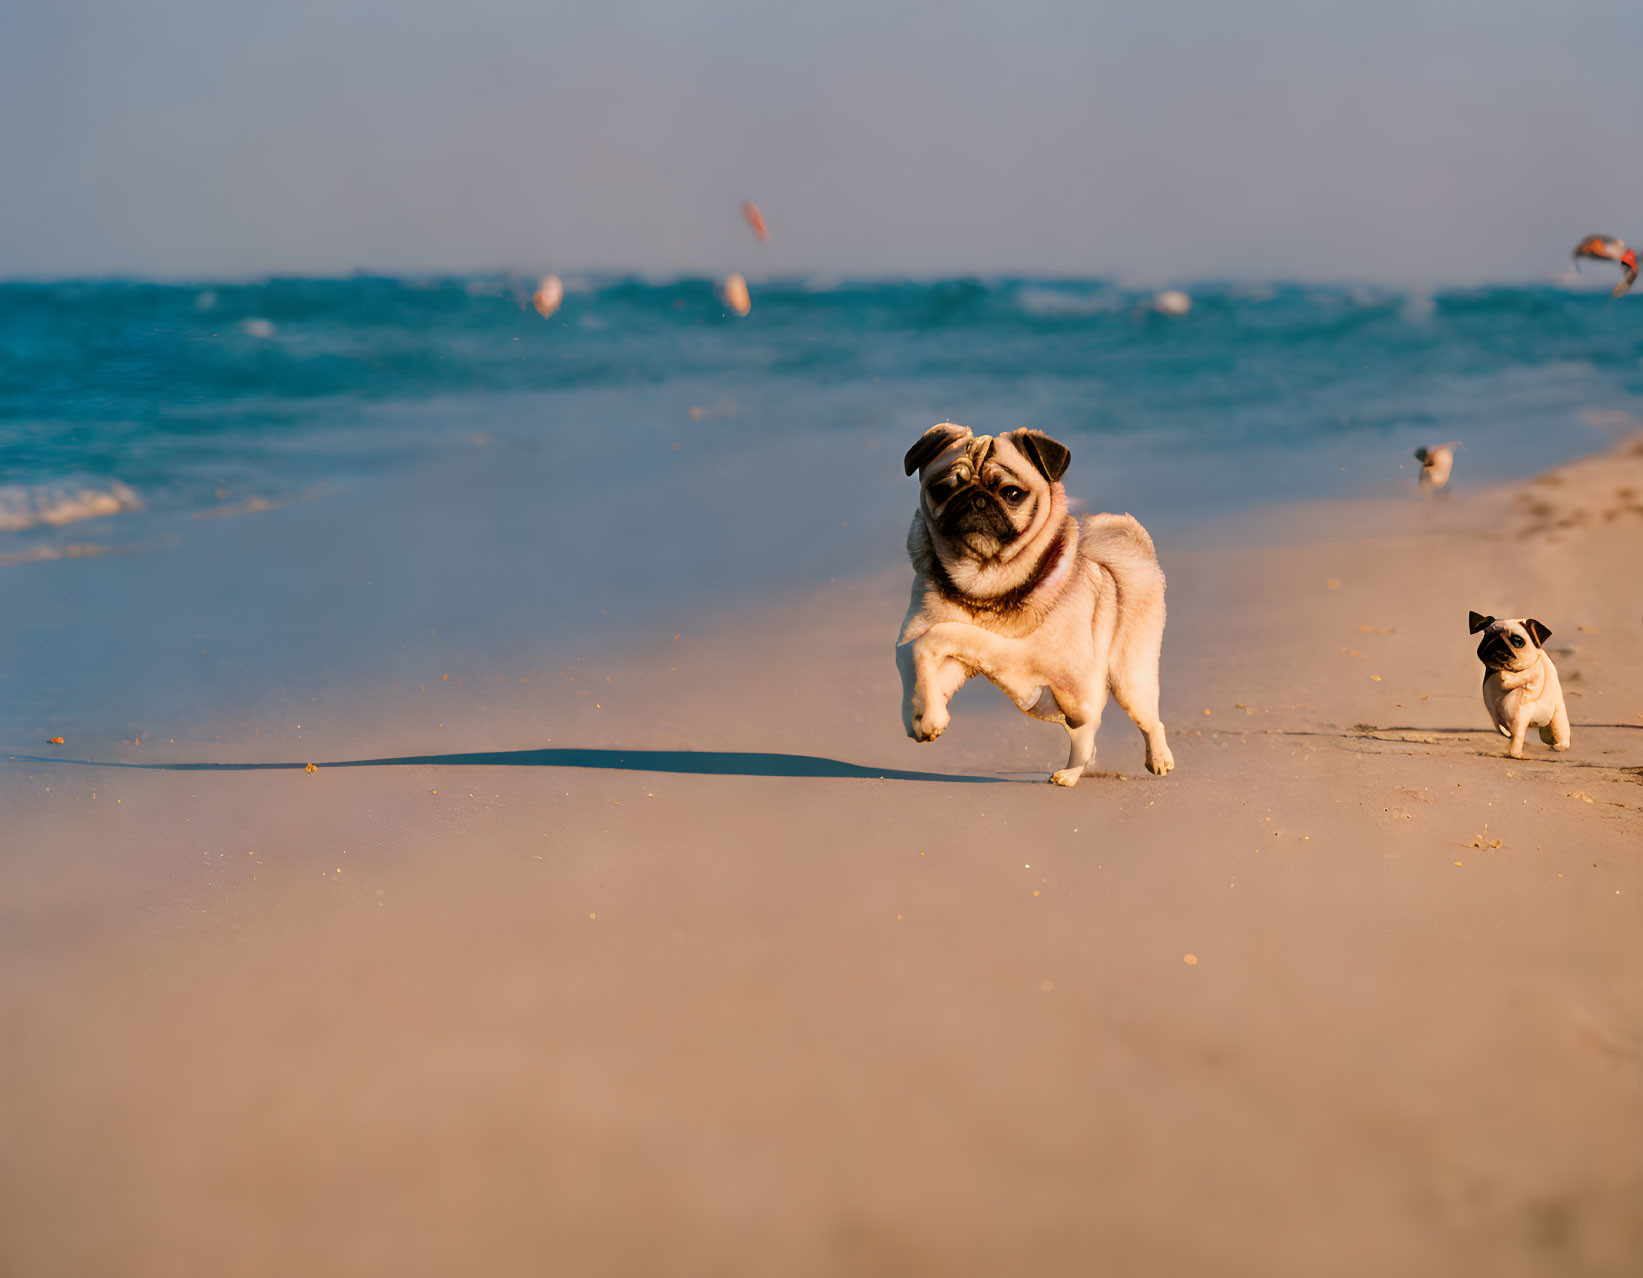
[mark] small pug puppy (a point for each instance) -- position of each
(1055, 611)
(1520, 687)
(1436, 464)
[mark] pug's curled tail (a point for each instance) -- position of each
(1119, 542)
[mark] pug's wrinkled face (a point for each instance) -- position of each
(1510, 643)
(983, 497)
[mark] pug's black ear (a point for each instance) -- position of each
(1537, 632)
(933, 443)
(1479, 621)
(1049, 455)
(1420, 454)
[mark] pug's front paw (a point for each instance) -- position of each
(928, 723)
(1067, 776)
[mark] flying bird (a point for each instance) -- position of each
(1614, 250)
(755, 219)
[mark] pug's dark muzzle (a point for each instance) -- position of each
(975, 512)
(1496, 651)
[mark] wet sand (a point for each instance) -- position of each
(1289, 1011)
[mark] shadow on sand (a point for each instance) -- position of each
(715, 763)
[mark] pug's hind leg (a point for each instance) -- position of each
(1556, 733)
(1135, 687)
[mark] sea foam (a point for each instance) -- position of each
(29, 506)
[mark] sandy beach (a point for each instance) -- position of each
(1350, 993)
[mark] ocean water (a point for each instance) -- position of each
(190, 397)
(298, 476)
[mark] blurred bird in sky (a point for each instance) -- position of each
(1612, 249)
(755, 219)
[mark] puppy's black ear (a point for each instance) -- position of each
(1049, 455)
(1479, 621)
(1420, 454)
(934, 442)
(1537, 632)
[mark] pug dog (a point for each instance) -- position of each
(1436, 464)
(1520, 687)
(1055, 611)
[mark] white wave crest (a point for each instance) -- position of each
(1048, 302)
(54, 505)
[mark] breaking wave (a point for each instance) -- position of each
(52, 505)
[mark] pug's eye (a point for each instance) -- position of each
(1517, 641)
(1011, 493)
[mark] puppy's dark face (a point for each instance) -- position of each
(982, 497)
(1509, 644)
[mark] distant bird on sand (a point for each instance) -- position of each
(1436, 463)
(755, 219)
(1614, 250)
(733, 292)
(549, 293)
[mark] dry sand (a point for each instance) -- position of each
(437, 1018)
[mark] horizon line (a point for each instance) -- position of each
(663, 279)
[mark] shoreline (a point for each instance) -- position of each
(347, 690)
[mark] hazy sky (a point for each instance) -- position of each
(1396, 141)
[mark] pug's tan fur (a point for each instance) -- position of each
(1055, 611)
(1520, 684)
